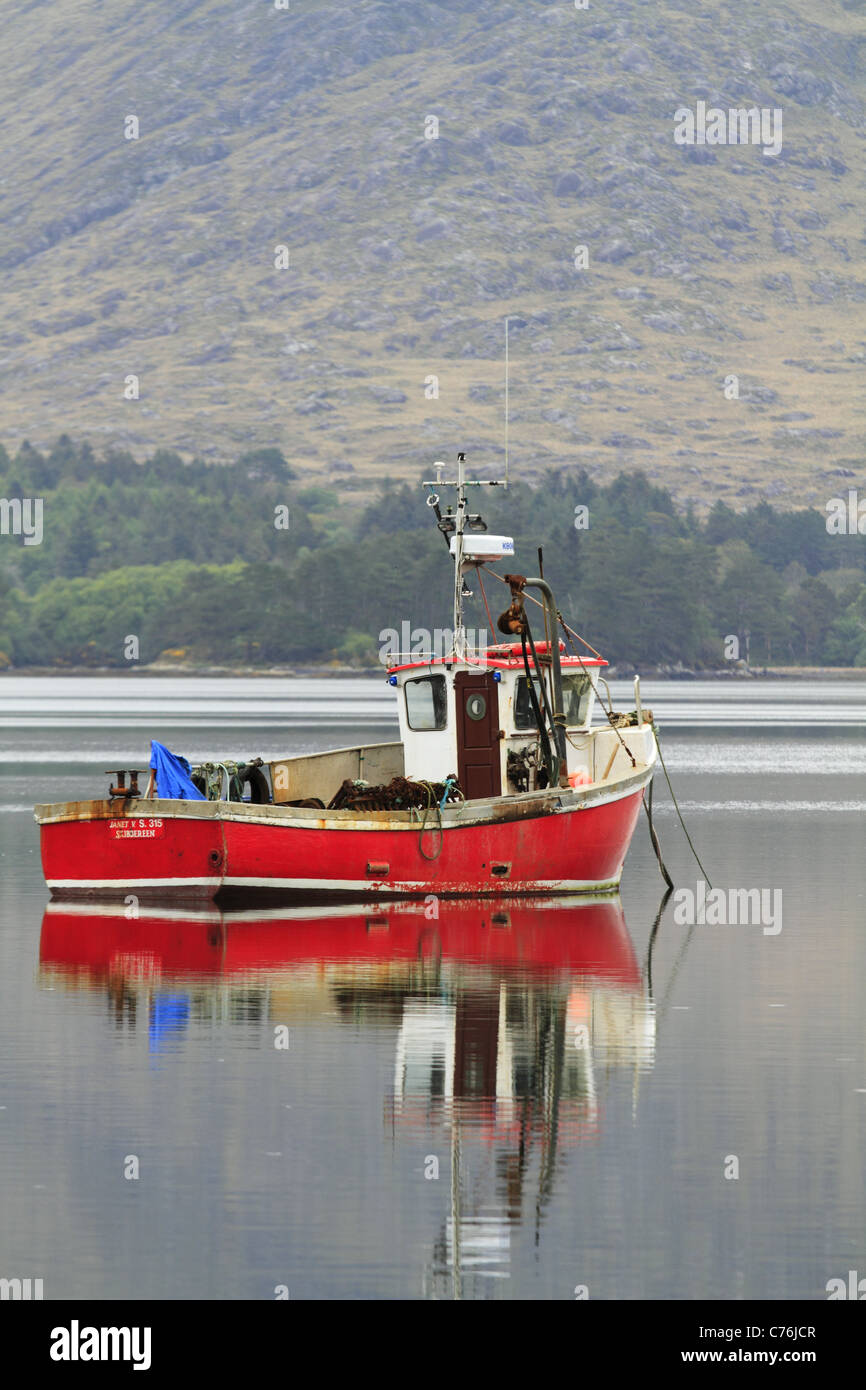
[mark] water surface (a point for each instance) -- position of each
(509, 1101)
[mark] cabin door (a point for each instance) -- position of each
(479, 757)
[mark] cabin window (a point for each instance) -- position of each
(427, 703)
(575, 699)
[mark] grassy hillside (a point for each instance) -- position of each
(260, 127)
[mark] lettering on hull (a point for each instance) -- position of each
(131, 829)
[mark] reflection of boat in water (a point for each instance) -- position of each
(509, 1020)
(100, 940)
(490, 1001)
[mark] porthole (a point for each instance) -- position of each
(476, 706)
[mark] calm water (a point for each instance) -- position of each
(506, 1102)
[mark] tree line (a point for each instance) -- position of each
(249, 564)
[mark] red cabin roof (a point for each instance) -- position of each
(505, 656)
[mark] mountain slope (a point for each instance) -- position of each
(306, 128)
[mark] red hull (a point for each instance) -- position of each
(575, 845)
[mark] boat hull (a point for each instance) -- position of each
(557, 842)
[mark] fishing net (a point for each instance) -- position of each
(400, 794)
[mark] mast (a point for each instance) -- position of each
(455, 526)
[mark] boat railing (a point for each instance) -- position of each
(423, 657)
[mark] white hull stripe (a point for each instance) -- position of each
(498, 886)
(121, 883)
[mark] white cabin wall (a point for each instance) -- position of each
(429, 755)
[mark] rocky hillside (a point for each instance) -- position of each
(310, 128)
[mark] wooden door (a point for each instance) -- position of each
(478, 744)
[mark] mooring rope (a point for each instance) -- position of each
(431, 802)
(677, 807)
(648, 807)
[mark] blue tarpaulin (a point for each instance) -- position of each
(172, 775)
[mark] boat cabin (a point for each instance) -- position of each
(473, 718)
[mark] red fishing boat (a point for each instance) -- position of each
(500, 781)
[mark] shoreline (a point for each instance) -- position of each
(338, 672)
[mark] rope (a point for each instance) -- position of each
(678, 811)
(587, 673)
(431, 802)
(571, 632)
(448, 784)
(648, 807)
(484, 596)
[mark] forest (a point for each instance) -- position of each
(251, 565)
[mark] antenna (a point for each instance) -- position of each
(506, 402)
(518, 318)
